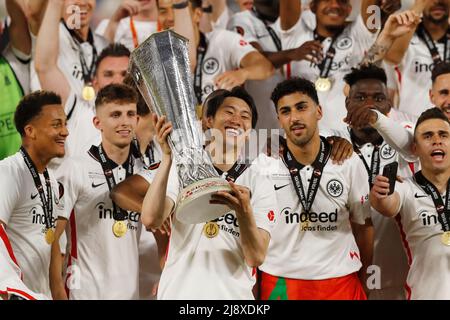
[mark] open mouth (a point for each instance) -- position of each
(438, 154)
(333, 13)
(233, 132)
(61, 142)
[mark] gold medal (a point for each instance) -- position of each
(211, 230)
(445, 238)
(323, 84)
(119, 228)
(49, 236)
(88, 92)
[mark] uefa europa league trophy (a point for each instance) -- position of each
(160, 68)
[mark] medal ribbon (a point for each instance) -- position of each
(295, 167)
(423, 34)
(442, 210)
(47, 204)
(374, 168)
(88, 72)
(134, 33)
(276, 40)
(118, 213)
(201, 52)
(325, 66)
(149, 152)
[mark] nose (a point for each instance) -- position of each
(64, 132)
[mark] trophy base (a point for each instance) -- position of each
(193, 202)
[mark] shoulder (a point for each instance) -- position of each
(12, 165)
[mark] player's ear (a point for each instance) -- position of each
(96, 122)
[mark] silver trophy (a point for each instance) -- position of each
(160, 68)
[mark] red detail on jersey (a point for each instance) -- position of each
(243, 43)
(271, 215)
(399, 74)
(253, 272)
(20, 292)
(362, 200)
(288, 71)
(354, 254)
(5, 239)
(240, 30)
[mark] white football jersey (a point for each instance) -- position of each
(326, 248)
(203, 268)
(252, 29)
(350, 47)
(100, 265)
(414, 77)
(69, 59)
(21, 211)
(10, 273)
(123, 32)
(429, 275)
(220, 58)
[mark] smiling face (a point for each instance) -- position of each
(432, 145)
(117, 122)
(232, 120)
(331, 13)
(298, 115)
(48, 131)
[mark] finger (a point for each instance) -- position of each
(400, 179)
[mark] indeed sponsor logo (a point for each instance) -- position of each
(108, 213)
(322, 217)
(38, 217)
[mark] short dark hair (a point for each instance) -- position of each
(365, 72)
(141, 105)
(440, 69)
(294, 85)
(215, 100)
(118, 93)
(31, 106)
(113, 50)
(432, 113)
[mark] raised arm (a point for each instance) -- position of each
(400, 46)
(397, 26)
(253, 66)
(380, 201)
(130, 193)
(18, 29)
(290, 13)
(47, 52)
(126, 8)
(184, 25)
(157, 207)
(35, 10)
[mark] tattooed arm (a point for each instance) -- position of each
(396, 26)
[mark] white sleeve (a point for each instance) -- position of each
(236, 49)
(403, 190)
(243, 26)
(362, 37)
(10, 192)
(69, 175)
(358, 199)
(397, 136)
